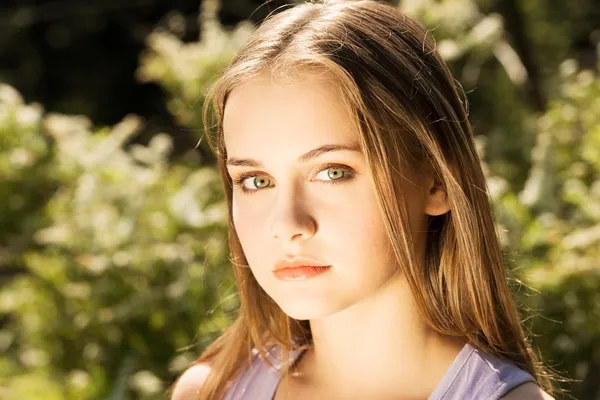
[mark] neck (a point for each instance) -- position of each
(378, 347)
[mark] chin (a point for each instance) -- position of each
(303, 309)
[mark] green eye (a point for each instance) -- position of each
(330, 174)
(335, 173)
(260, 182)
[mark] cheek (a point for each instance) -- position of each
(359, 226)
(249, 222)
(374, 233)
(241, 218)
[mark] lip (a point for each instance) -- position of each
(298, 268)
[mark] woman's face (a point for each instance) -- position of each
(321, 206)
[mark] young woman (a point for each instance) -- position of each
(361, 229)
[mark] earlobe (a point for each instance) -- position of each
(437, 200)
(436, 196)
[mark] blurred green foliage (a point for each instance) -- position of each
(556, 227)
(114, 262)
(113, 256)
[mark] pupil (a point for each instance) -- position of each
(259, 181)
(335, 173)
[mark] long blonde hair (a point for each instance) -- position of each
(408, 110)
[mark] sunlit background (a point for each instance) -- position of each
(113, 256)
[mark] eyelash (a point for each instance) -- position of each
(238, 181)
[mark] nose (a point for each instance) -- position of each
(291, 220)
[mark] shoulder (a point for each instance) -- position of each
(190, 382)
(505, 379)
(527, 391)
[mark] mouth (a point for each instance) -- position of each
(298, 269)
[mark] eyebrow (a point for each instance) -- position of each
(248, 162)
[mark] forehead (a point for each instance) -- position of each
(296, 116)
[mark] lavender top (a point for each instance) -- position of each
(473, 374)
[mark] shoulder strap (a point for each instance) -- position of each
(476, 374)
(258, 380)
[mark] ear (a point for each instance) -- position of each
(436, 197)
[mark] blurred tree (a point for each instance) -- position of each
(25, 184)
(117, 271)
(561, 237)
(551, 230)
(98, 42)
